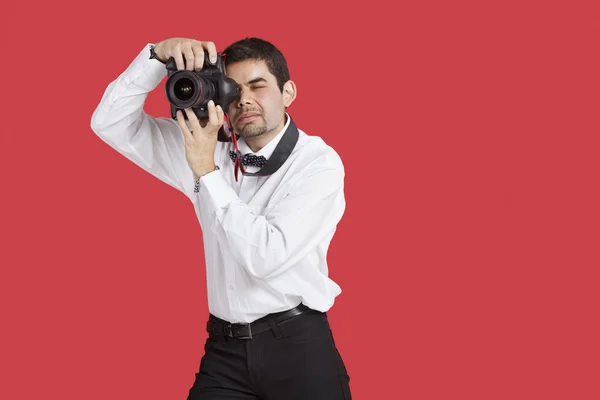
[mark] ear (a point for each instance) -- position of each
(289, 93)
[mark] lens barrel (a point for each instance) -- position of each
(187, 89)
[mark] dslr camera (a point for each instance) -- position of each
(194, 89)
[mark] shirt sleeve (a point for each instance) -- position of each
(267, 245)
(154, 144)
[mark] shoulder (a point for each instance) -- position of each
(316, 152)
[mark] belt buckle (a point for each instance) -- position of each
(230, 329)
(227, 330)
(249, 335)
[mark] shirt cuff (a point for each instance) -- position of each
(215, 192)
(145, 72)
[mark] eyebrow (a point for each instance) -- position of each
(256, 80)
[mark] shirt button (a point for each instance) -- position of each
(230, 287)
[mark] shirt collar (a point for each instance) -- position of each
(267, 150)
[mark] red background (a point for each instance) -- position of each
(469, 252)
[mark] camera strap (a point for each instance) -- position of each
(281, 153)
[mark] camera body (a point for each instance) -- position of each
(194, 89)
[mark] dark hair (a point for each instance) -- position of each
(252, 48)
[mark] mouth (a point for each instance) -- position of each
(248, 117)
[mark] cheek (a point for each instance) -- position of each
(271, 103)
(231, 109)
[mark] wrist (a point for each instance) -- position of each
(203, 170)
(198, 175)
(155, 53)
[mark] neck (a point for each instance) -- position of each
(258, 142)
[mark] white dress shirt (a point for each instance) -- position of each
(266, 238)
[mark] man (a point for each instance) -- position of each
(266, 234)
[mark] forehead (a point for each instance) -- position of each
(245, 71)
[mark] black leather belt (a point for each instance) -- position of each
(217, 326)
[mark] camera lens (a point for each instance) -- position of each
(184, 89)
(187, 89)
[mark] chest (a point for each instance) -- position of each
(260, 193)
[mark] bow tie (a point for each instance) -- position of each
(249, 159)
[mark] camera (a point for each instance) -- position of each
(194, 89)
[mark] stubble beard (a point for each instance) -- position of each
(253, 128)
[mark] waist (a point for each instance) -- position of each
(218, 326)
(246, 302)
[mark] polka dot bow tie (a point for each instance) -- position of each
(249, 159)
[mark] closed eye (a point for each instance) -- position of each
(255, 81)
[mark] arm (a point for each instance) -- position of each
(268, 245)
(154, 144)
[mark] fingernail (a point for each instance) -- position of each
(213, 59)
(211, 103)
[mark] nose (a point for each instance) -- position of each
(245, 97)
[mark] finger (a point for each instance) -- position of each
(191, 115)
(212, 114)
(187, 135)
(188, 53)
(212, 51)
(176, 53)
(220, 115)
(198, 56)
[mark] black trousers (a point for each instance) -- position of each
(294, 360)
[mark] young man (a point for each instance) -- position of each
(266, 232)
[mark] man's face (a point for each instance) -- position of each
(260, 107)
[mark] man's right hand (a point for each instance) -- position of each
(189, 49)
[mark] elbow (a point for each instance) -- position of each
(96, 123)
(106, 125)
(95, 128)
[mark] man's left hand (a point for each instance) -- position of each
(201, 142)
